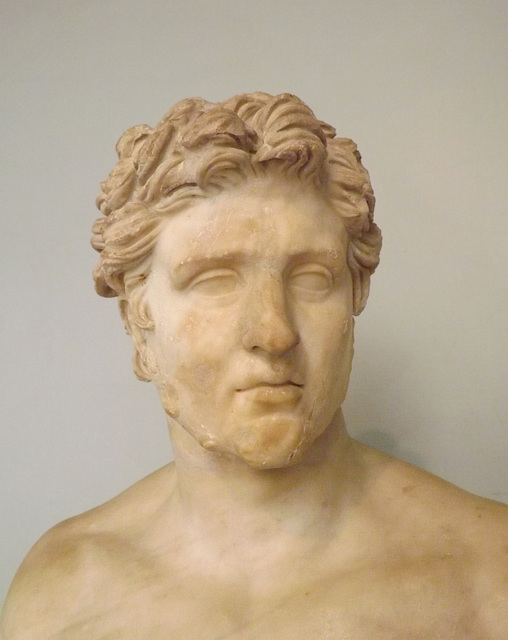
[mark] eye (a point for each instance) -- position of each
(311, 278)
(216, 282)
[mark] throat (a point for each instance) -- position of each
(224, 504)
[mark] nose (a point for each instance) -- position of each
(268, 326)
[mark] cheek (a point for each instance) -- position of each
(201, 354)
(326, 331)
(188, 364)
(330, 352)
(198, 377)
(340, 341)
(340, 366)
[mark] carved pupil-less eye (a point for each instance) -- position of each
(311, 278)
(217, 282)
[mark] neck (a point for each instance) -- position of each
(224, 498)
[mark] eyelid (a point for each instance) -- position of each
(211, 273)
(312, 268)
(214, 282)
(311, 278)
(186, 273)
(331, 261)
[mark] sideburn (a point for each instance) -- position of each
(170, 400)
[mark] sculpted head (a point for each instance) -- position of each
(239, 239)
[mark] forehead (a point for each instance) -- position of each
(262, 219)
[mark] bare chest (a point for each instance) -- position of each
(420, 603)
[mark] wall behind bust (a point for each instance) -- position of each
(421, 86)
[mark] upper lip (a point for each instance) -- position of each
(271, 381)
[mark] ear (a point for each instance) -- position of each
(143, 361)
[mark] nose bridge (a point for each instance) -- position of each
(269, 326)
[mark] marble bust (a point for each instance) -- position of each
(239, 240)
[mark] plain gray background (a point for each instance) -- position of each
(421, 86)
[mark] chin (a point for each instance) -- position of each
(272, 442)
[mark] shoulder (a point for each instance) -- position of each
(69, 567)
(440, 520)
(422, 494)
(56, 576)
(421, 501)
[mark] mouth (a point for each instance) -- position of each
(274, 393)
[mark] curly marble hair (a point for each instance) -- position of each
(200, 148)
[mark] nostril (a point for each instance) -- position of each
(269, 326)
(274, 340)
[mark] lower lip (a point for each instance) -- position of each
(275, 394)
